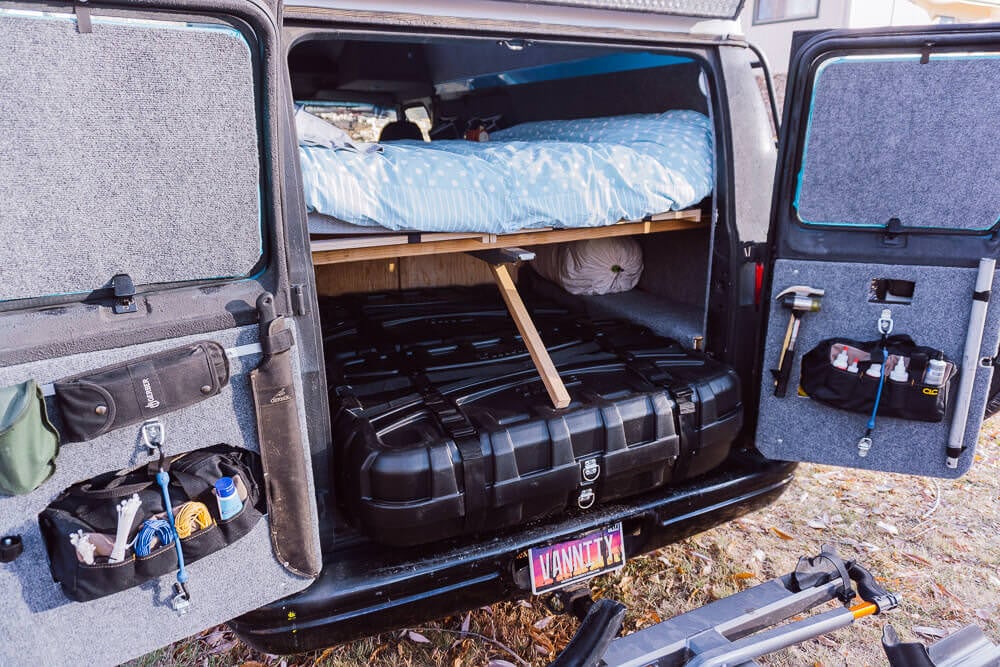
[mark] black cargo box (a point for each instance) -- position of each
(443, 428)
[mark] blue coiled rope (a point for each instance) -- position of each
(151, 529)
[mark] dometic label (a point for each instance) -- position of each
(562, 564)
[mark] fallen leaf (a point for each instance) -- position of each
(497, 662)
(919, 560)
(466, 622)
(926, 631)
(818, 525)
(324, 655)
(888, 527)
(543, 623)
(948, 593)
(541, 650)
(782, 534)
(417, 637)
(759, 555)
(742, 576)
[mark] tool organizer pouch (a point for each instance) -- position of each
(92, 507)
(99, 401)
(856, 391)
(28, 442)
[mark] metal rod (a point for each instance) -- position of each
(970, 361)
(754, 646)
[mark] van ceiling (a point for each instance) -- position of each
(392, 72)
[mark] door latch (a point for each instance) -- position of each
(124, 291)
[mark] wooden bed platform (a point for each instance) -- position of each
(362, 248)
(336, 250)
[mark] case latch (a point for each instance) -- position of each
(124, 291)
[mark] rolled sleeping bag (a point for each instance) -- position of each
(594, 266)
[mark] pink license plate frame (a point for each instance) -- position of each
(558, 565)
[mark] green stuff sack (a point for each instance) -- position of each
(28, 441)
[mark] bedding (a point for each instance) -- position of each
(568, 173)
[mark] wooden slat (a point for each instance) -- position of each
(354, 249)
(529, 334)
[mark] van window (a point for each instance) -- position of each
(364, 122)
(136, 163)
(903, 137)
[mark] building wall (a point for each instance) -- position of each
(775, 39)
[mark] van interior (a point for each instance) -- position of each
(437, 90)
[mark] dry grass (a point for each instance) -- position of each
(931, 541)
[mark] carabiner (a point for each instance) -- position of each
(885, 322)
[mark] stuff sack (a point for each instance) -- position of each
(28, 441)
(99, 401)
(594, 266)
(838, 372)
(91, 509)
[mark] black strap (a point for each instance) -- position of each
(83, 25)
(280, 341)
(473, 482)
(981, 296)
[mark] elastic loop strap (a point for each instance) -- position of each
(981, 296)
(280, 341)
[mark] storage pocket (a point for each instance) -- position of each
(91, 508)
(99, 401)
(28, 442)
(853, 389)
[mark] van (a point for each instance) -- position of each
(267, 371)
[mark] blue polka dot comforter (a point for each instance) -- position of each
(558, 173)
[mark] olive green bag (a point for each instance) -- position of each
(28, 441)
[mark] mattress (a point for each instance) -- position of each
(563, 173)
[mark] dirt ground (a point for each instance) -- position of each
(931, 541)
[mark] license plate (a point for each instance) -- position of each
(561, 564)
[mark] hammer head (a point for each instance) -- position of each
(801, 298)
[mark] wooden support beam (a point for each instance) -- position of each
(360, 248)
(536, 348)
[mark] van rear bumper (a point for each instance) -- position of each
(365, 589)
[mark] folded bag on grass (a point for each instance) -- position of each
(594, 266)
(28, 441)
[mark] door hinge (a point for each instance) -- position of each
(298, 294)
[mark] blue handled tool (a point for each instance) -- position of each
(885, 325)
(153, 436)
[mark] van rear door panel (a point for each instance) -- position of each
(150, 145)
(885, 174)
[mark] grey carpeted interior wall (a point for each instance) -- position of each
(798, 428)
(132, 149)
(893, 138)
(40, 626)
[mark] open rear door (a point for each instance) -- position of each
(144, 228)
(887, 208)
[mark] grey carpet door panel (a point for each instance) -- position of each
(132, 149)
(40, 626)
(890, 137)
(797, 428)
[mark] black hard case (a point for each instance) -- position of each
(437, 437)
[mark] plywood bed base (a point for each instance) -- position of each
(368, 247)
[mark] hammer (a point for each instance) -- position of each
(799, 300)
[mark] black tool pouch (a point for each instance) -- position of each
(91, 506)
(857, 391)
(99, 401)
